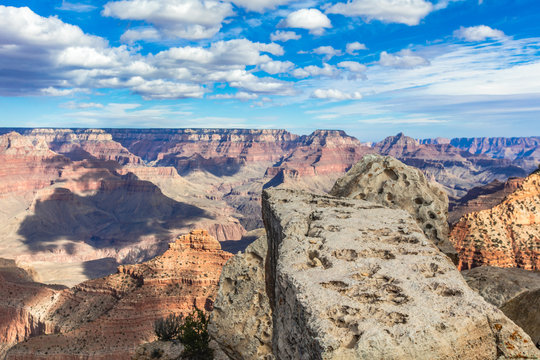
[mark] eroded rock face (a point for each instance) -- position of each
(387, 181)
(242, 319)
(515, 291)
(507, 235)
(108, 318)
(353, 279)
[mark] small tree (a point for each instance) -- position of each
(195, 338)
(168, 328)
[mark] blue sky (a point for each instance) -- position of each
(373, 68)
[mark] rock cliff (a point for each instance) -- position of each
(109, 317)
(507, 235)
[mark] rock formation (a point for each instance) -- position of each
(387, 181)
(351, 279)
(507, 235)
(242, 319)
(515, 291)
(358, 280)
(482, 198)
(109, 317)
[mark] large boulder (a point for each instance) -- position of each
(387, 181)
(515, 291)
(350, 279)
(241, 322)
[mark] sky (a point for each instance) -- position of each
(428, 68)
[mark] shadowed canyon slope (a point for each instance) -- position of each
(107, 318)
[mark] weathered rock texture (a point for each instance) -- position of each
(387, 181)
(242, 319)
(108, 318)
(515, 291)
(353, 279)
(507, 235)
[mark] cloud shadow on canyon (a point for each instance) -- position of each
(119, 214)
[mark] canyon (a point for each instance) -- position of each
(85, 214)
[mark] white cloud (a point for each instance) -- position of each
(478, 33)
(45, 56)
(241, 95)
(77, 7)
(259, 5)
(355, 68)
(281, 35)
(408, 12)
(328, 51)
(82, 105)
(277, 67)
(309, 19)
(334, 94)
(312, 70)
(403, 59)
(146, 33)
(188, 19)
(352, 48)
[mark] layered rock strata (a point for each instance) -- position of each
(507, 235)
(353, 279)
(515, 291)
(108, 318)
(387, 181)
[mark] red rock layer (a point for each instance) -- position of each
(507, 235)
(108, 318)
(26, 166)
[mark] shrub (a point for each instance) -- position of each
(191, 331)
(168, 328)
(194, 336)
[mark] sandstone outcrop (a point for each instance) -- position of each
(515, 291)
(353, 279)
(241, 321)
(387, 181)
(108, 318)
(507, 235)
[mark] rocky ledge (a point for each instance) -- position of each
(351, 279)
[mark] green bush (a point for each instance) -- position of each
(194, 336)
(168, 328)
(191, 331)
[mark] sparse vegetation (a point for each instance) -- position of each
(192, 332)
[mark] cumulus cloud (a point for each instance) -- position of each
(356, 70)
(277, 67)
(352, 48)
(188, 19)
(478, 33)
(312, 70)
(45, 56)
(328, 51)
(334, 94)
(259, 5)
(402, 59)
(309, 19)
(408, 12)
(284, 36)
